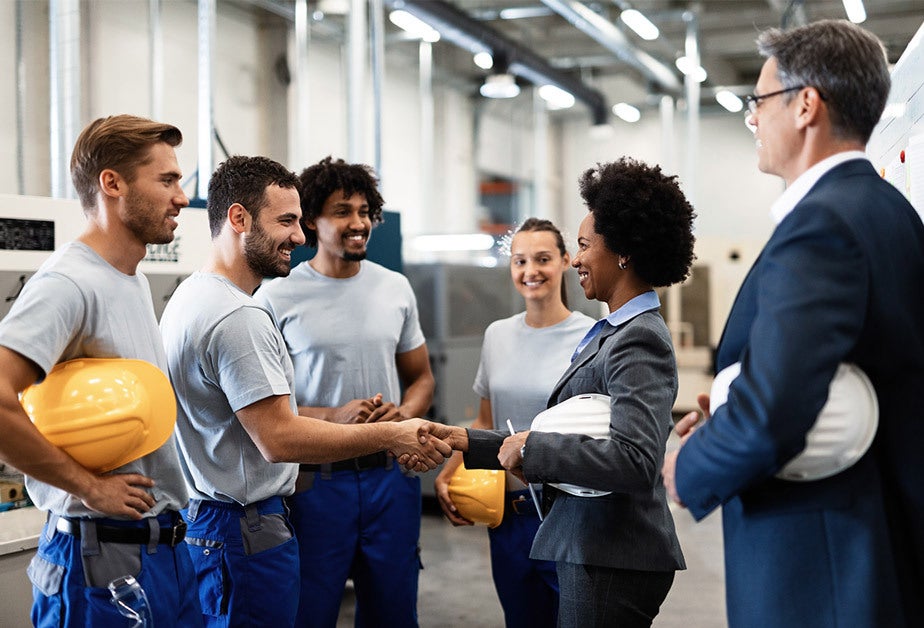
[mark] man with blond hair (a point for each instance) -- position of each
(88, 301)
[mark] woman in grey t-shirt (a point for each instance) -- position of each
(521, 360)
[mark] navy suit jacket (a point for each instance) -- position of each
(840, 280)
(631, 528)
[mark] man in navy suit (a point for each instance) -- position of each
(840, 280)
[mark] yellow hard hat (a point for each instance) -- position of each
(479, 494)
(104, 412)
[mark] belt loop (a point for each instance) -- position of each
(89, 544)
(51, 527)
(252, 514)
(326, 471)
(154, 538)
(192, 510)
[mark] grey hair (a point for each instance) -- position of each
(845, 63)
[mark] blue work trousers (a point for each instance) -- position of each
(246, 561)
(65, 594)
(527, 588)
(362, 525)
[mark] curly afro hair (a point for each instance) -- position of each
(642, 214)
(327, 176)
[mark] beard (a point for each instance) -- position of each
(143, 220)
(356, 256)
(261, 254)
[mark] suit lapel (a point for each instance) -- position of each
(588, 354)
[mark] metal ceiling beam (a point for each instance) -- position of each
(606, 34)
(457, 27)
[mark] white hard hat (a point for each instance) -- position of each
(587, 414)
(842, 433)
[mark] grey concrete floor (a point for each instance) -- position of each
(456, 589)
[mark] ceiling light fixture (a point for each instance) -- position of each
(500, 86)
(640, 24)
(414, 26)
(627, 112)
(856, 13)
(519, 13)
(729, 100)
(696, 72)
(555, 97)
(484, 60)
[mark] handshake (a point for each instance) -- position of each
(421, 445)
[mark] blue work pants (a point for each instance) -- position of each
(527, 588)
(363, 525)
(64, 594)
(246, 560)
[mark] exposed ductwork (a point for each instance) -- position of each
(464, 31)
(606, 34)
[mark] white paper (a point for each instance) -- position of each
(914, 158)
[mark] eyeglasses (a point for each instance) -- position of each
(753, 100)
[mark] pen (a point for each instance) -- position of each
(532, 491)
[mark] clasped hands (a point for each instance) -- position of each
(444, 439)
(427, 444)
(684, 428)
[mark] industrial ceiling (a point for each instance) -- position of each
(601, 51)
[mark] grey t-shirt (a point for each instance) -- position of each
(343, 334)
(79, 306)
(224, 354)
(520, 365)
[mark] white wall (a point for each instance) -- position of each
(253, 111)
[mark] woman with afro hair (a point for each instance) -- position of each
(616, 553)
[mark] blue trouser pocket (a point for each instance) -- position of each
(246, 562)
(46, 578)
(208, 557)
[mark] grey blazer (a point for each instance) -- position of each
(632, 527)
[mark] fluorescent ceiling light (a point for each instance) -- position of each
(640, 24)
(500, 86)
(414, 26)
(517, 13)
(729, 100)
(454, 242)
(555, 97)
(855, 11)
(627, 112)
(696, 72)
(484, 60)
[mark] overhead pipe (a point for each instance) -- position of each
(20, 103)
(377, 45)
(156, 54)
(692, 97)
(299, 144)
(606, 34)
(64, 74)
(205, 24)
(357, 61)
(457, 27)
(427, 125)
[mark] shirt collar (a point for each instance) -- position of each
(806, 181)
(633, 307)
